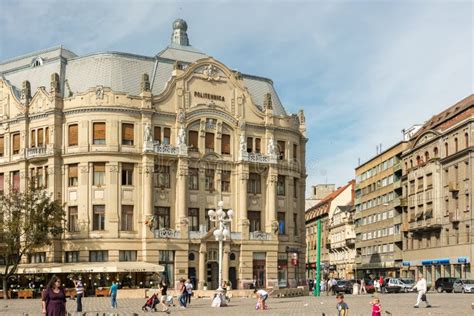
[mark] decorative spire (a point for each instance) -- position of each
(179, 36)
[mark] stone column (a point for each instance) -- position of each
(225, 262)
(112, 208)
(181, 197)
(270, 217)
(202, 266)
(242, 214)
(147, 192)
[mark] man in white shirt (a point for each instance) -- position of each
(420, 286)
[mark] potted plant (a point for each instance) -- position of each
(204, 286)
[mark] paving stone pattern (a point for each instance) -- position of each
(396, 304)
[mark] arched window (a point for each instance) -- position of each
(191, 256)
(427, 156)
(435, 152)
(232, 256)
(456, 147)
(418, 160)
(446, 151)
(38, 61)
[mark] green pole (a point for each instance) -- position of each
(317, 286)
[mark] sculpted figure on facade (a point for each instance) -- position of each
(271, 147)
(181, 136)
(147, 136)
(243, 144)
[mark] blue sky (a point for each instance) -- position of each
(361, 70)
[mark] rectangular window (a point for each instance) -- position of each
(98, 221)
(281, 223)
(255, 221)
(166, 259)
(37, 257)
(209, 142)
(16, 143)
(258, 145)
(281, 149)
(15, 180)
(127, 134)
(71, 256)
(127, 174)
(72, 219)
(98, 135)
(225, 181)
(166, 135)
(162, 215)
(72, 135)
(193, 180)
(249, 144)
(209, 180)
(295, 188)
(127, 218)
(295, 151)
(2, 145)
(295, 224)
(127, 255)
(254, 184)
(72, 175)
(33, 138)
(157, 134)
(193, 217)
(281, 185)
(2, 183)
(225, 144)
(193, 141)
(162, 176)
(99, 174)
(98, 256)
(40, 138)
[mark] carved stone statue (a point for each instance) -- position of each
(271, 147)
(243, 144)
(181, 136)
(148, 137)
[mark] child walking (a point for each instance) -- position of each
(376, 307)
(341, 306)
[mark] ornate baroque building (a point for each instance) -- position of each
(140, 148)
(438, 188)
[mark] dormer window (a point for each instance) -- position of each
(38, 61)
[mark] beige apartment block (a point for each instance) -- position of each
(139, 149)
(324, 212)
(437, 184)
(378, 214)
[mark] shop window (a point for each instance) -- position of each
(166, 259)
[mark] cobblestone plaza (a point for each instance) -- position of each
(396, 304)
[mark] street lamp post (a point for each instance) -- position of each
(222, 232)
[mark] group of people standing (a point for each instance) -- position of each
(185, 292)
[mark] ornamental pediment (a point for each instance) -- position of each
(424, 138)
(40, 102)
(10, 106)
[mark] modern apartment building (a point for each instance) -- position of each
(378, 214)
(438, 185)
(324, 211)
(140, 148)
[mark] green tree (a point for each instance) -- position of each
(28, 220)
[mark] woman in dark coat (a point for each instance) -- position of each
(54, 298)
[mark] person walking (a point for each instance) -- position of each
(79, 293)
(54, 298)
(420, 286)
(333, 284)
(376, 285)
(182, 293)
(189, 291)
(362, 286)
(113, 294)
(382, 284)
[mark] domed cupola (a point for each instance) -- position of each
(179, 36)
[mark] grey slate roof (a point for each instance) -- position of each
(120, 71)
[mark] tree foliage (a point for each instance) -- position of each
(28, 220)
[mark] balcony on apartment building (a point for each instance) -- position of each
(41, 151)
(424, 220)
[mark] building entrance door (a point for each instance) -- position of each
(192, 276)
(212, 275)
(259, 273)
(233, 277)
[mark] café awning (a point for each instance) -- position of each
(90, 267)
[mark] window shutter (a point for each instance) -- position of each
(40, 137)
(2, 145)
(167, 132)
(210, 140)
(72, 171)
(72, 135)
(193, 139)
(46, 135)
(225, 144)
(99, 167)
(99, 130)
(257, 145)
(127, 132)
(16, 142)
(157, 133)
(33, 138)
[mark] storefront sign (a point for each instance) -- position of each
(406, 263)
(463, 260)
(205, 95)
(435, 261)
